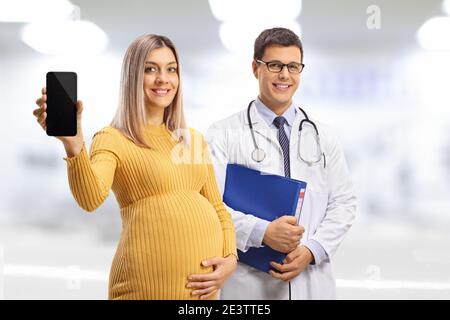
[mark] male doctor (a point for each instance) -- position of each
(266, 136)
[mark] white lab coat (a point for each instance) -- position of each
(327, 214)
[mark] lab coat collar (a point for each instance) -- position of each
(268, 115)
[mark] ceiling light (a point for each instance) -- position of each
(33, 10)
(69, 37)
(240, 37)
(244, 10)
(434, 34)
(243, 20)
(446, 6)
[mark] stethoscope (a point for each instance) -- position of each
(259, 154)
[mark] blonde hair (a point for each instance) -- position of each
(131, 114)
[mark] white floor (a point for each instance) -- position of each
(376, 261)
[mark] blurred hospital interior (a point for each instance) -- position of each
(377, 72)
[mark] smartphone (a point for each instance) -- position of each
(61, 103)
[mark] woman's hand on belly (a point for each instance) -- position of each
(205, 285)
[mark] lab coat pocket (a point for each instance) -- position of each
(313, 211)
(321, 283)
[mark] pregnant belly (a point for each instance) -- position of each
(169, 235)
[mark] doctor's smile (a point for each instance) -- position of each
(282, 87)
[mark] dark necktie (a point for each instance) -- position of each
(284, 143)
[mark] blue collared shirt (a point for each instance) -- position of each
(268, 116)
(257, 235)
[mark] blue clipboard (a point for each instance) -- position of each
(266, 196)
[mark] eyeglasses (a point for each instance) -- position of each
(277, 66)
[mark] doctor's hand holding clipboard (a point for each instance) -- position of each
(283, 234)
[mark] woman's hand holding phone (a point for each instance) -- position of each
(73, 145)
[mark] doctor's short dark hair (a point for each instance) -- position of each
(280, 36)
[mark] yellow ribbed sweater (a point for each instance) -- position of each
(172, 214)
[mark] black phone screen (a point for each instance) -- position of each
(61, 104)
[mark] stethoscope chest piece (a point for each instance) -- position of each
(258, 155)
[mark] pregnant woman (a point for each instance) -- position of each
(177, 239)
